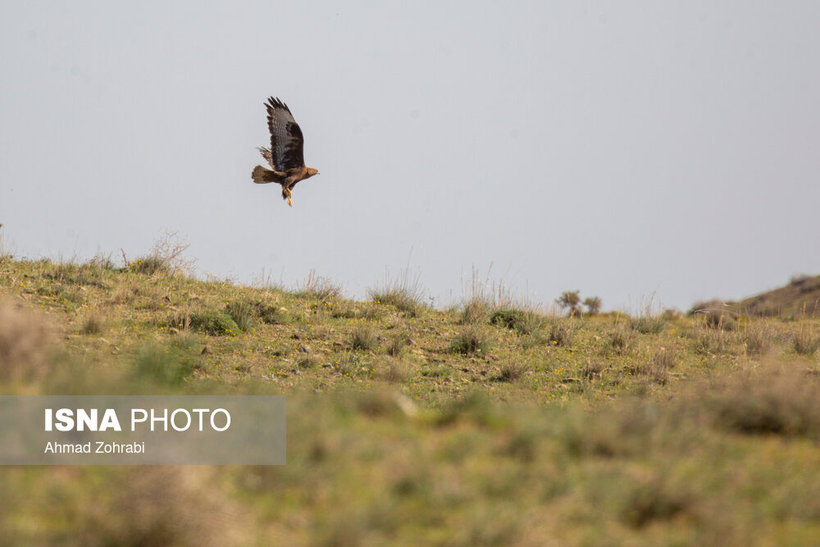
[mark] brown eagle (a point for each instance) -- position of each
(285, 153)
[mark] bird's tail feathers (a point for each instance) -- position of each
(261, 175)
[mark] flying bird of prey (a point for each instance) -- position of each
(285, 154)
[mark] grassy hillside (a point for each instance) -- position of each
(486, 424)
(801, 297)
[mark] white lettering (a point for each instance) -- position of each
(163, 419)
(65, 419)
(180, 419)
(110, 421)
(227, 419)
(200, 411)
(174, 423)
(86, 420)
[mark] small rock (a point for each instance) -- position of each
(304, 349)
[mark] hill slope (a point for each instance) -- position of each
(485, 424)
(801, 297)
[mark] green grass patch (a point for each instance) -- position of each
(472, 339)
(242, 313)
(170, 364)
(215, 323)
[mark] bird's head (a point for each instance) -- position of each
(311, 171)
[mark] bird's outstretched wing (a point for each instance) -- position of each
(266, 154)
(285, 137)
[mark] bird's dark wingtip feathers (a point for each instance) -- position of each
(276, 102)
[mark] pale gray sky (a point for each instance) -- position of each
(625, 149)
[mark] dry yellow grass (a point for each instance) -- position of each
(576, 431)
(25, 340)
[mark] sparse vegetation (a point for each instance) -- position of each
(649, 324)
(241, 312)
(170, 364)
(398, 342)
(5, 254)
(471, 339)
(523, 322)
(662, 362)
(308, 362)
(715, 314)
(165, 257)
(319, 287)
(268, 313)
(93, 324)
(562, 332)
(805, 341)
(758, 337)
(777, 402)
(621, 339)
(510, 371)
(570, 301)
(593, 305)
(474, 311)
(363, 338)
(213, 322)
(507, 318)
(396, 371)
(102, 262)
(603, 432)
(800, 298)
(712, 342)
(25, 337)
(404, 292)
